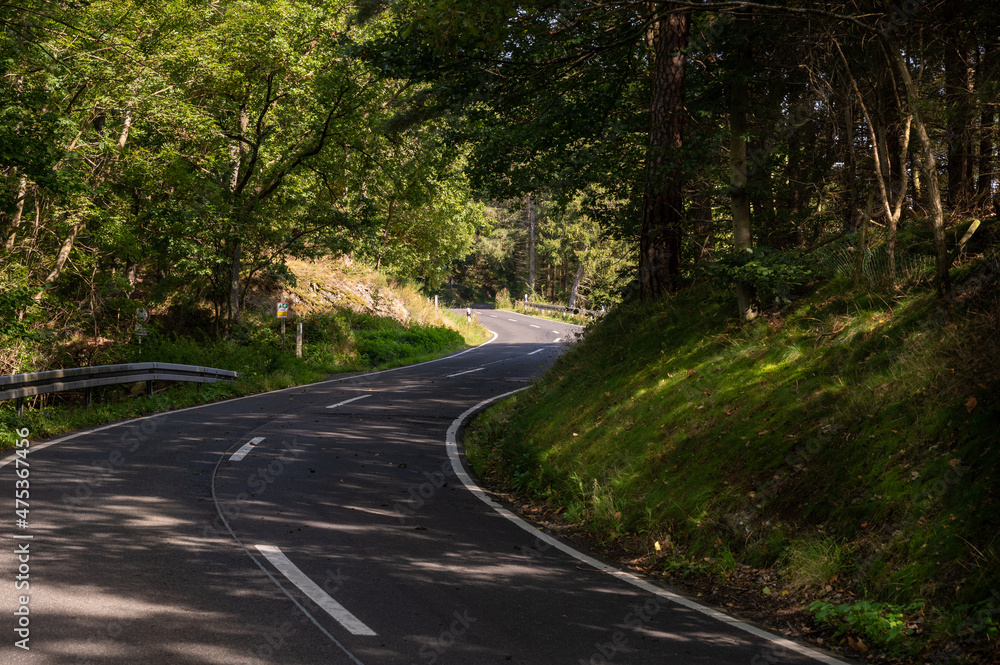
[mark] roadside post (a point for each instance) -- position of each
(282, 315)
(298, 340)
(142, 316)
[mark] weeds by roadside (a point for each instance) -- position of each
(334, 342)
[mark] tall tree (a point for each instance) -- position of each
(739, 193)
(663, 201)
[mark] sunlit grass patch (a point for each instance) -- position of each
(334, 341)
(822, 443)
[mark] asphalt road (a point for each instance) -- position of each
(325, 524)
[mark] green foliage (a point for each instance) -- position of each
(570, 234)
(503, 300)
(981, 619)
(186, 149)
(879, 623)
(391, 345)
(334, 341)
(875, 268)
(772, 273)
(15, 302)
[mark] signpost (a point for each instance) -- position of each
(142, 316)
(282, 314)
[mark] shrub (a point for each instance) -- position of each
(503, 300)
(879, 623)
(773, 274)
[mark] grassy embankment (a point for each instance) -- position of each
(849, 446)
(336, 340)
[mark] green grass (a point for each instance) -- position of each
(837, 439)
(504, 301)
(333, 342)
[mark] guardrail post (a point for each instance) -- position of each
(88, 396)
(149, 389)
(19, 402)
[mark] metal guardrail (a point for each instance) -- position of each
(560, 308)
(19, 386)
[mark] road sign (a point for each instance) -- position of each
(282, 310)
(141, 314)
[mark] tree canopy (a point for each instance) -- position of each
(171, 152)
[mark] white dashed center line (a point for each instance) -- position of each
(533, 325)
(468, 371)
(315, 593)
(347, 401)
(245, 448)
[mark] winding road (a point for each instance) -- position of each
(326, 524)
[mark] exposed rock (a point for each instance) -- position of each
(325, 283)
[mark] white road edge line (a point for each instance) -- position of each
(534, 352)
(12, 452)
(311, 589)
(348, 401)
(247, 447)
(468, 371)
(451, 444)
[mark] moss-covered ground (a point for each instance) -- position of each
(848, 445)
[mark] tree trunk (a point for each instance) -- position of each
(984, 184)
(943, 279)
(889, 154)
(958, 94)
(889, 117)
(850, 220)
(739, 196)
(236, 152)
(660, 235)
(22, 193)
(531, 243)
(385, 234)
(61, 258)
(862, 245)
(575, 289)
